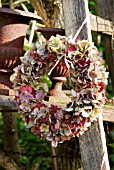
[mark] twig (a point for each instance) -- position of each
(0, 3)
(20, 1)
(11, 4)
(54, 159)
(24, 7)
(32, 30)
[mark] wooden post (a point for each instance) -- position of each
(10, 155)
(105, 9)
(0, 3)
(93, 147)
(10, 136)
(92, 143)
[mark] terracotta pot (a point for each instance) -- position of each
(48, 31)
(13, 27)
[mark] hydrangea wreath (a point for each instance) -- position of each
(89, 80)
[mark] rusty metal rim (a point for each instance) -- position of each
(19, 12)
(51, 29)
(6, 70)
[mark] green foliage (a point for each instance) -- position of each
(92, 7)
(48, 81)
(26, 46)
(33, 150)
(5, 4)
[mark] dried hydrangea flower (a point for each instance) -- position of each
(89, 79)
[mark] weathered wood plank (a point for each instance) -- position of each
(8, 104)
(10, 136)
(9, 164)
(92, 143)
(101, 25)
(108, 113)
(93, 147)
(105, 9)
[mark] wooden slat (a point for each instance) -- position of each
(108, 113)
(101, 25)
(8, 104)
